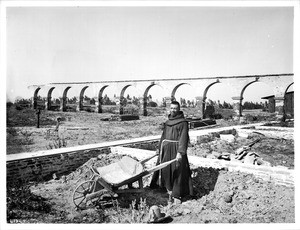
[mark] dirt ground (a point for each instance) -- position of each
(75, 129)
(220, 196)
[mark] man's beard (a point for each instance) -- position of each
(173, 114)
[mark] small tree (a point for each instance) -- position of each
(135, 101)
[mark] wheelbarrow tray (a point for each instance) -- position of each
(118, 173)
(126, 171)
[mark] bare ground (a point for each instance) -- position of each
(220, 196)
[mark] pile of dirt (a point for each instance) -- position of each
(220, 197)
(234, 197)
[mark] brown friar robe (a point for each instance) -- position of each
(174, 139)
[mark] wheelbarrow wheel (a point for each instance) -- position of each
(81, 192)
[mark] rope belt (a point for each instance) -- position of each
(162, 144)
(169, 140)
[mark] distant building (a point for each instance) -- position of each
(288, 103)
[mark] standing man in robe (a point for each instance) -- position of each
(176, 177)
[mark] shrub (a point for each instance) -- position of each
(209, 111)
(56, 141)
(137, 212)
(18, 107)
(131, 109)
(27, 139)
(226, 113)
(9, 104)
(110, 109)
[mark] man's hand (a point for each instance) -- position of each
(178, 158)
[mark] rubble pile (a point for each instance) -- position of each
(254, 148)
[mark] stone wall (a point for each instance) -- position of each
(27, 167)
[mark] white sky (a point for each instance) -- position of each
(77, 44)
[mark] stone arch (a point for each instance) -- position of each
(49, 97)
(144, 105)
(175, 89)
(204, 96)
(35, 97)
(64, 99)
(80, 103)
(287, 88)
(121, 98)
(242, 96)
(100, 98)
(288, 108)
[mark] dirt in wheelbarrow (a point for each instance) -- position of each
(220, 197)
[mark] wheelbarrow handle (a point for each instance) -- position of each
(149, 158)
(161, 166)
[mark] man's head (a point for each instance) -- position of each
(175, 108)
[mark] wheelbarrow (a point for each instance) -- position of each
(109, 181)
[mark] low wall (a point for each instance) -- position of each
(42, 165)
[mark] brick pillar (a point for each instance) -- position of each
(98, 106)
(143, 106)
(279, 105)
(48, 103)
(63, 104)
(237, 105)
(200, 106)
(80, 104)
(121, 106)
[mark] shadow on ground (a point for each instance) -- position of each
(204, 181)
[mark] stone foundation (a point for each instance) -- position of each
(42, 165)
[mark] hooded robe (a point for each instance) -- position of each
(175, 138)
